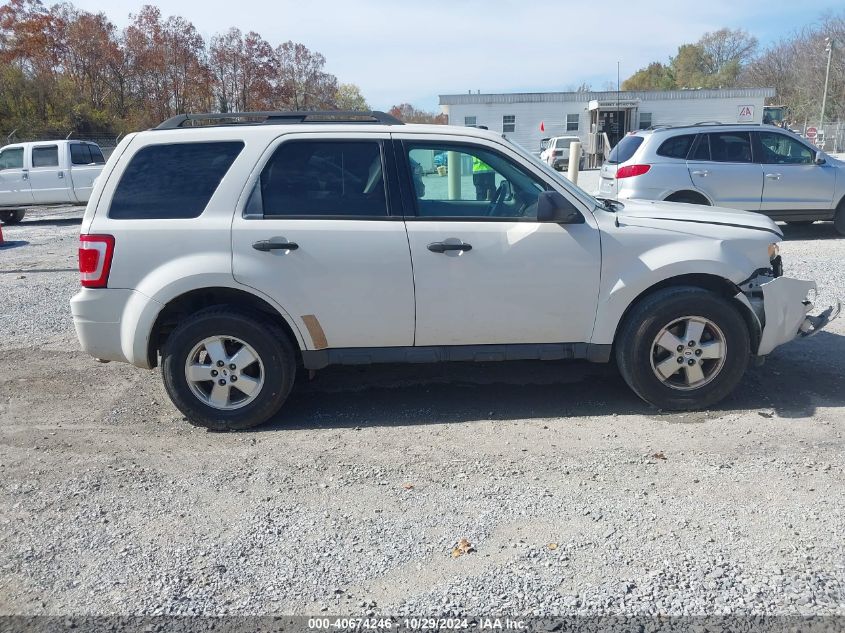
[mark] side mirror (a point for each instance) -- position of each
(507, 194)
(552, 206)
(819, 159)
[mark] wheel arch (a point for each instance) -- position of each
(720, 286)
(695, 193)
(194, 300)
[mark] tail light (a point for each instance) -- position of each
(629, 171)
(95, 255)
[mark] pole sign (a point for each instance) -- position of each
(811, 133)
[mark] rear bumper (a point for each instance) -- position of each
(100, 318)
(786, 311)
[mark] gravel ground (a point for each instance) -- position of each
(576, 497)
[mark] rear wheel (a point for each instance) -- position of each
(228, 370)
(839, 218)
(683, 348)
(12, 217)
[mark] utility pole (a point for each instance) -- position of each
(829, 49)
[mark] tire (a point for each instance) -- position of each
(12, 217)
(687, 197)
(839, 218)
(226, 332)
(639, 357)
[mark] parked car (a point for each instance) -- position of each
(755, 168)
(46, 173)
(233, 255)
(556, 153)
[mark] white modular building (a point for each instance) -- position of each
(528, 118)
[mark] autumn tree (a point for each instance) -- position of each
(349, 97)
(300, 82)
(409, 114)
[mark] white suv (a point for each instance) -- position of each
(235, 249)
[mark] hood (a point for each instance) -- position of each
(697, 214)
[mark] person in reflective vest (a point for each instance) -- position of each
(484, 179)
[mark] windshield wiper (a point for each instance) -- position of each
(611, 205)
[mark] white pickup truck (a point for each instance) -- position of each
(46, 173)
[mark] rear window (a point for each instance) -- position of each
(625, 149)
(676, 147)
(172, 181)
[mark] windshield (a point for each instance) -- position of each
(624, 150)
(586, 198)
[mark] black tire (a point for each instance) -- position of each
(272, 345)
(799, 222)
(12, 217)
(635, 346)
(839, 218)
(688, 197)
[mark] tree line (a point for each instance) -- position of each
(66, 70)
(794, 66)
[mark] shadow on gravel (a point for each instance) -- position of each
(10, 244)
(793, 382)
(51, 222)
(817, 231)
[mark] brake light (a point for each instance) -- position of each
(95, 255)
(629, 171)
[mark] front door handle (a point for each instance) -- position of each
(700, 172)
(773, 176)
(267, 245)
(442, 247)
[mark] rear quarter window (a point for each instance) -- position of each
(172, 181)
(676, 147)
(625, 149)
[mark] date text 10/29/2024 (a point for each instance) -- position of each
(415, 624)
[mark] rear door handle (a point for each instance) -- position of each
(700, 172)
(442, 247)
(773, 176)
(267, 245)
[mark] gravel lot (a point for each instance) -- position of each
(577, 498)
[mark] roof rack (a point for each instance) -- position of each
(277, 118)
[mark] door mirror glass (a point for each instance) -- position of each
(552, 206)
(819, 159)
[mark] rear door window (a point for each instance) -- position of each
(45, 156)
(676, 147)
(172, 181)
(625, 149)
(80, 154)
(328, 179)
(730, 147)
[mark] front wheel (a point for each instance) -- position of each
(683, 348)
(839, 218)
(12, 217)
(227, 370)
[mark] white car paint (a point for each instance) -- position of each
(370, 284)
(60, 182)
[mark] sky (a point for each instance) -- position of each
(413, 51)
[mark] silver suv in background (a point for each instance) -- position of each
(749, 167)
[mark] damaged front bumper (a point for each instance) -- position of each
(782, 309)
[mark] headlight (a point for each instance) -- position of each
(775, 260)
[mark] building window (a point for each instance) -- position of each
(645, 120)
(572, 122)
(470, 121)
(509, 123)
